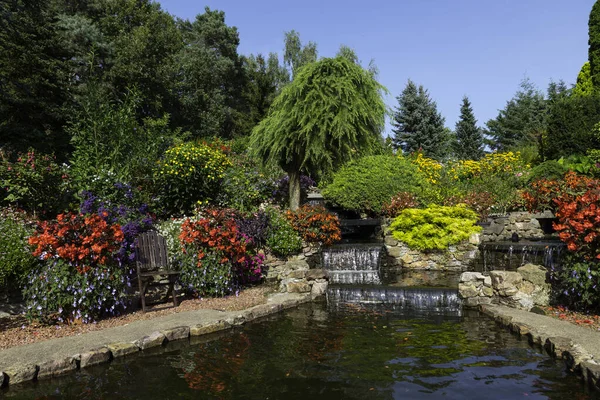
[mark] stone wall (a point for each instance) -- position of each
(523, 289)
(456, 258)
(301, 273)
(525, 224)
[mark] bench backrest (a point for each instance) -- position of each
(151, 252)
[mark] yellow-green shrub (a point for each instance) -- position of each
(435, 227)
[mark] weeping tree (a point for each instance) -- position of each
(332, 112)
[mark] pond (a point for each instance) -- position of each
(321, 352)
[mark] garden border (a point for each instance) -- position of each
(20, 372)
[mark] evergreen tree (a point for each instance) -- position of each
(594, 44)
(33, 77)
(418, 126)
(332, 112)
(469, 138)
(522, 121)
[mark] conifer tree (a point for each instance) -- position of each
(418, 126)
(469, 138)
(594, 44)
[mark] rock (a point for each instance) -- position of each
(466, 291)
(591, 373)
(487, 281)
(523, 301)
(319, 289)
(471, 276)
(297, 274)
(407, 259)
(296, 264)
(155, 339)
(3, 380)
(475, 239)
(505, 278)
(94, 357)
(20, 373)
(122, 349)
(394, 251)
(390, 241)
(220, 325)
(556, 346)
(298, 287)
(178, 333)
(575, 356)
(487, 291)
(315, 274)
(263, 310)
(535, 274)
(526, 287)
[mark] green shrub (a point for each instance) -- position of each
(33, 182)
(16, 260)
(575, 284)
(282, 238)
(190, 175)
(435, 227)
(550, 169)
(365, 185)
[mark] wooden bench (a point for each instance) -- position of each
(151, 260)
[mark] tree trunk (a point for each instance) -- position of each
(294, 190)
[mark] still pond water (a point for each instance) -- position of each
(320, 352)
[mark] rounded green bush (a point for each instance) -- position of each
(16, 260)
(435, 227)
(282, 238)
(550, 169)
(366, 184)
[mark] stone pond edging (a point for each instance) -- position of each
(579, 347)
(16, 370)
(523, 289)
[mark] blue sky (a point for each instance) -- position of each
(478, 48)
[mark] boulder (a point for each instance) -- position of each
(298, 287)
(314, 274)
(58, 367)
(318, 289)
(122, 349)
(94, 357)
(535, 274)
(155, 339)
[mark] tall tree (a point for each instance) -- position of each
(522, 121)
(210, 78)
(417, 124)
(295, 54)
(469, 137)
(33, 77)
(332, 112)
(594, 44)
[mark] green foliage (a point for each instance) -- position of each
(594, 43)
(33, 182)
(577, 163)
(244, 186)
(469, 138)
(584, 86)
(16, 260)
(571, 123)
(111, 145)
(418, 126)
(522, 121)
(332, 112)
(282, 239)
(550, 169)
(190, 175)
(575, 284)
(435, 227)
(366, 184)
(33, 79)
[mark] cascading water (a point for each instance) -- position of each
(358, 277)
(353, 263)
(510, 255)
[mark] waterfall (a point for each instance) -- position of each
(440, 301)
(353, 264)
(510, 256)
